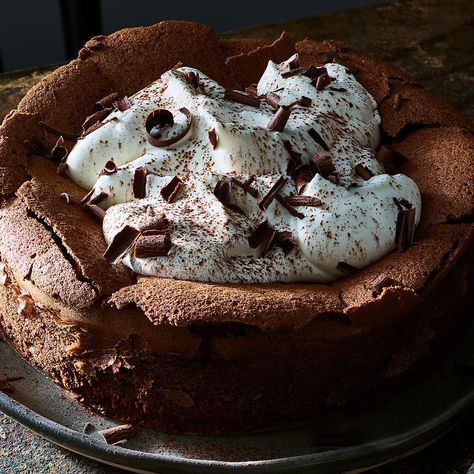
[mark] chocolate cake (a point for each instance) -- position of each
(171, 285)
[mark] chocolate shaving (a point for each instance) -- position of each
(161, 119)
(222, 191)
(302, 177)
(152, 245)
(283, 240)
(294, 63)
(306, 201)
(314, 72)
(95, 210)
(363, 172)
(121, 243)
(324, 165)
(381, 282)
(397, 203)
(59, 152)
(6, 386)
(272, 99)
(106, 101)
(318, 139)
(322, 81)
(265, 235)
(122, 104)
(241, 98)
(117, 433)
(213, 138)
(405, 228)
(57, 132)
(346, 268)
(406, 203)
(272, 193)
(139, 183)
(247, 186)
(158, 225)
(303, 102)
(261, 234)
(295, 157)
(299, 71)
(284, 202)
(337, 89)
(87, 197)
(98, 198)
(109, 168)
(334, 178)
(397, 101)
(94, 121)
(192, 78)
(171, 190)
(278, 121)
(70, 199)
(252, 90)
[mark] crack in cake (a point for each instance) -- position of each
(209, 235)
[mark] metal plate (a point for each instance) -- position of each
(332, 442)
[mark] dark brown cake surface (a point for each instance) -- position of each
(106, 323)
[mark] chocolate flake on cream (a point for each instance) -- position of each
(154, 245)
(171, 190)
(213, 138)
(405, 228)
(318, 139)
(363, 172)
(94, 121)
(295, 157)
(272, 193)
(121, 243)
(272, 99)
(123, 104)
(139, 182)
(279, 120)
(241, 98)
(106, 101)
(309, 201)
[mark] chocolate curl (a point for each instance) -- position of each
(161, 119)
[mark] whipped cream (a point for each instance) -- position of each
(355, 222)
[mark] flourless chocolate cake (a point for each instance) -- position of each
(209, 235)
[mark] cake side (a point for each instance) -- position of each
(173, 340)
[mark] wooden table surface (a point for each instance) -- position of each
(431, 39)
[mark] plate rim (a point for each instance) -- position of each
(334, 460)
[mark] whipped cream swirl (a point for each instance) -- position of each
(355, 222)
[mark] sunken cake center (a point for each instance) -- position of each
(280, 183)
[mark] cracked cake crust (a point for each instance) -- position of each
(93, 325)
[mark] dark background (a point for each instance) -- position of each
(38, 32)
